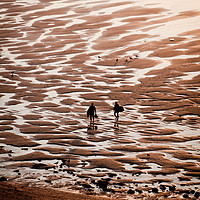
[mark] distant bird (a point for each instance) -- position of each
(12, 74)
(136, 56)
(130, 58)
(10, 153)
(126, 61)
(116, 61)
(99, 57)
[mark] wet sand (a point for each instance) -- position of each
(58, 57)
(21, 192)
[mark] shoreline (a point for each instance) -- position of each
(14, 191)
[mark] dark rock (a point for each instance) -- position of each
(121, 184)
(103, 184)
(130, 191)
(196, 195)
(181, 192)
(3, 178)
(111, 175)
(155, 190)
(47, 181)
(185, 196)
(192, 191)
(139, 191)
(172, 188)
(110, 190)
(163, 187)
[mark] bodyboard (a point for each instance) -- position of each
(121, 109)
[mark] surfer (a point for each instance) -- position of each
(91, 112)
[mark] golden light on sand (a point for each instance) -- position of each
(58, 57)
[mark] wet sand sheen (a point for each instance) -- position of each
(57, 58)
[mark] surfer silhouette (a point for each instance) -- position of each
(117, 109)
(91, 113)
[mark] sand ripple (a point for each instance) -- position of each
(59, 56)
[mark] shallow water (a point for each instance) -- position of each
(63, 47)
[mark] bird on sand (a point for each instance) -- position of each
(12, 73)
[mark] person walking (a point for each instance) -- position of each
(117, 109)
(92, 113)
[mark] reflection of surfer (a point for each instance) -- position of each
(91, 113)
(117, 109)
(91, 128)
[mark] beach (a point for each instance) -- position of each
(58, 57)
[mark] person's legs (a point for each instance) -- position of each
(91, 118)
(116, 114)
